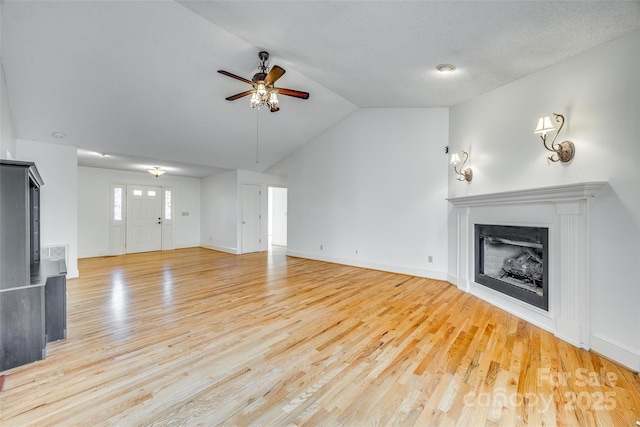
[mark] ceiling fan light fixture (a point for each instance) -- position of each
(273, 100)
(255, 100)
(261, 90)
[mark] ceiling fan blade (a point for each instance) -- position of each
(233, 76)
(238, 95)
(291, 92)
(275, 73)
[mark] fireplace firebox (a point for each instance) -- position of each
(513, 260)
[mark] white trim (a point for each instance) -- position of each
(117, 233)
(412, 271)
(578, 191)
(226, 249)
(185, 246)
(167, 239)
(616, 351)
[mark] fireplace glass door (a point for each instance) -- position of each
(513, 260)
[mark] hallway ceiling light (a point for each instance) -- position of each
(156, 171)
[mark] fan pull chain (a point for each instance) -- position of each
(257, 133)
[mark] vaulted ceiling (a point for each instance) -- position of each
(137, 79)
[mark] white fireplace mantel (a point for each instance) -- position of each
(564, 210)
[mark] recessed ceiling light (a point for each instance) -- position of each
(59, 135)
(446, 68)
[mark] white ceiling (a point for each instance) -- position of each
(138, 80)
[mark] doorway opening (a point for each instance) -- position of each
(277, 215)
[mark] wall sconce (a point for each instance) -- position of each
(156, 171)
(564, 150)
(465, 174)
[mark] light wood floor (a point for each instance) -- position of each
(198, 337)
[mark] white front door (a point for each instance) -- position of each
(250, 218)
(144, 219)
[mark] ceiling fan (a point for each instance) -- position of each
(264, 93)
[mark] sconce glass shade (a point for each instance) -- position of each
(455, 159)
(544, 125)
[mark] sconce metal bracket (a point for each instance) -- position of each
(565, 152)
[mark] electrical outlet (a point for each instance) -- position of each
(430, 258)
(321, 247)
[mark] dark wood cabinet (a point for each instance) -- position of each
(32, 291)
(55, 299)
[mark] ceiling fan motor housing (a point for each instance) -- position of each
(259, 77)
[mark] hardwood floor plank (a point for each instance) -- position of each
(199, 337)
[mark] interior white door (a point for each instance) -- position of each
(144, 219)
(250, 218)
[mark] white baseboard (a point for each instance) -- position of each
(413, 271)
(226, 249)
(616, 351)
(186, 245)
(451, 278)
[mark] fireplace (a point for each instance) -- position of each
(560, 214)
(513, 260)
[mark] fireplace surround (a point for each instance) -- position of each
(563, 211)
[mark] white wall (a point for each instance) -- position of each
(278, 215)
(57, 165)
(219, 223)
(599, 93)
(7, 137)
(220, 228)
(371, 192)
(94, 207)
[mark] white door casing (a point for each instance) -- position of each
(117, 217)
(168, 214)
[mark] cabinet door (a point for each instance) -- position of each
(22, 338)
(56, 308)
(14, 227)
